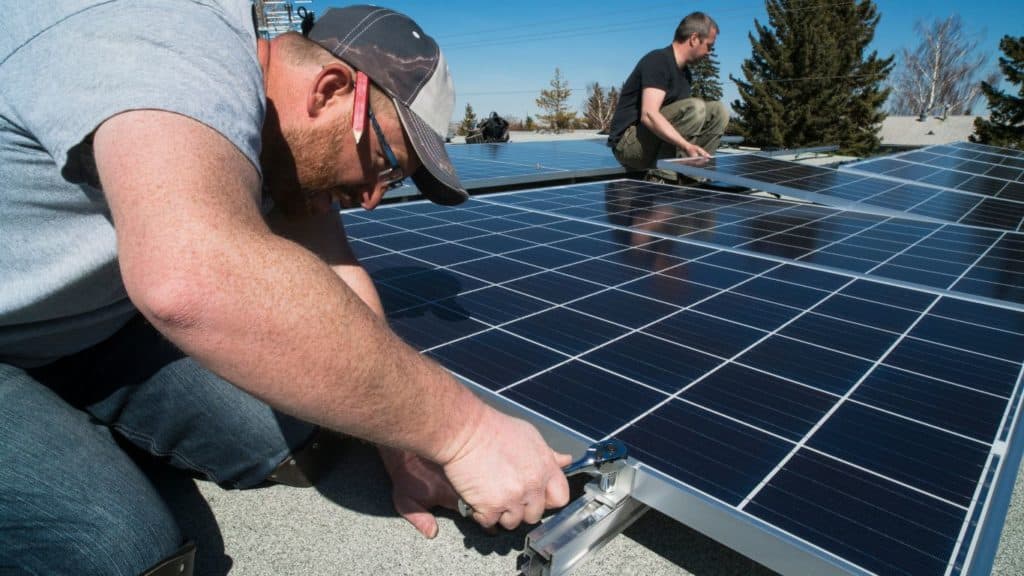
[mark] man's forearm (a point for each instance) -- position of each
(656, 122)
(295, 335)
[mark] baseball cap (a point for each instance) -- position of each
(408, 65)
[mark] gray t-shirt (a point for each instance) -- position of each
(64, 70)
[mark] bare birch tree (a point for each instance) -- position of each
(599, 107)
(942, 74)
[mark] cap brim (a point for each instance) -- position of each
(436, 179)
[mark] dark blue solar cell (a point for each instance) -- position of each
(839, 261)
(739, 262)
(393, 299)
(1005, 345)
(624, 308)
(684, 250)
(677, 292)
(604, 272)
(763, 401)
(823, 369)
(859, 252)
(721, 457)
(782, 292)
(365, 230)
(453, 232)
(914, 276)
(943, 405)
(663, 365)
(932, 460)
(566, 331)
(888, 294)
(433, 284)
(1003, 276)
(643, 259)
(959, 366)
(978, 313)
(586, 399)
(879, 525)
(867, 312)
(587, 246)
(576, 227)
(404, 241)
(706, 333)
(494, 305)
(534, 218)
(495, 359)
(983, 185)
(707, 274)
(539, 234)
(808, 277)
(496, 224)
(430, 325)
(554, 287)
(495, 243)
(989, 290)
(414, 222)
(947, 178)
(840, 335)
(496, 269)
(364, 249)
(445, 254)
(948, 267)
(392, 265)
(749, 311)
(546, 257)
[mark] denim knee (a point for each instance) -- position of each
(71, 501)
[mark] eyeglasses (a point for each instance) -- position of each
(393, 176)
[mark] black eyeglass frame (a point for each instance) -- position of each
(393, 176)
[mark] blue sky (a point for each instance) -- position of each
(502, 54)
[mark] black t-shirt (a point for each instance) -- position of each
(655, 70)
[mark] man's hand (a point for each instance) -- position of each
(507, 473)
(417, 486)
(694, 151)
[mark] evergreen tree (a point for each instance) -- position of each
(706, 82)
(808, 81)
(1005, 126)
(555, 101)
(468, 121)
(529, 124)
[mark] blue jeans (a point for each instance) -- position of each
(72, 499)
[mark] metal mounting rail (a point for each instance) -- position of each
(567, 539)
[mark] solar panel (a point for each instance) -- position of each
(491, 165)
(865, 193)
(957, 167)
(851, 421)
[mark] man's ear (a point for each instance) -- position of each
(333, 81)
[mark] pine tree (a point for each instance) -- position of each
(808, 81)
(1005, 126)
(468, 121)
(555, 100)
(706, 83)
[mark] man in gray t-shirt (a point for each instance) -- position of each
(149, 298)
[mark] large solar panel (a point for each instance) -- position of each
(986, 170)
(815, 419)
(864, 193)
